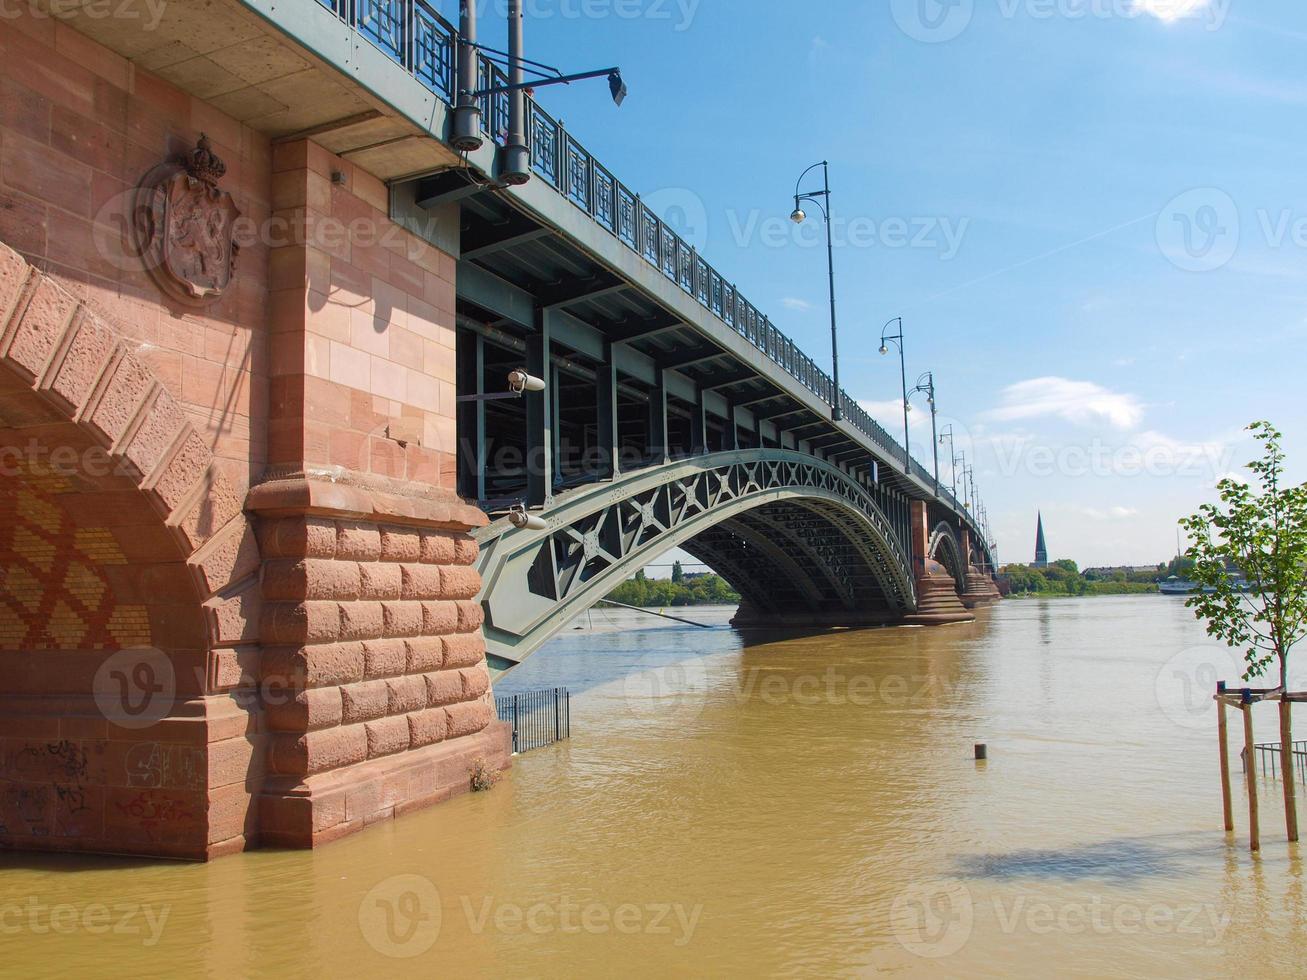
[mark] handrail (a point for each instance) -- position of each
(413, 34)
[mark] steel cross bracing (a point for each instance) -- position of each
(785, 527)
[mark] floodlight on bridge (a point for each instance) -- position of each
(519, 382)
(522, 519)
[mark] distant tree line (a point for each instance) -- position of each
(682, 589)
(1063, 577)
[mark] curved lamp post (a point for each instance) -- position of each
(926, 383)
(897, 340)
(947, 433)
(798, 217)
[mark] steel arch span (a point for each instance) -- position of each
(800, 539)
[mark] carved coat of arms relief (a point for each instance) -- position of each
(185, 227)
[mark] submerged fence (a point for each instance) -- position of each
(1268, 759)
(539, 718)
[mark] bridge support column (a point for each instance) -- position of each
(375, 691)
(980, 590)
(937, 596)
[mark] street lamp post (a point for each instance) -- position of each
(798, 217)
(897, 340)
(947, 433)
(926, 383)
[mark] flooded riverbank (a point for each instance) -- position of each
(736, 803)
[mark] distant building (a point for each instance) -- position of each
(1041, 549)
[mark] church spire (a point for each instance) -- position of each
(1041, 549)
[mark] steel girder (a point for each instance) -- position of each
(782, 526)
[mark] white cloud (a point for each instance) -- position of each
(794, 303)
(1171, 10)
(1080, 402)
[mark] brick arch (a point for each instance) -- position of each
(98, 443)
(117, 530)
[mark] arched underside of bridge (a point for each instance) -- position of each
(801, 541)
(947, 550)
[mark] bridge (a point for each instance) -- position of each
(274, 516)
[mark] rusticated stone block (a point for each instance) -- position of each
(302, 711)
(183, 471)
(426, 727)
(358, 542)
(361, 620)
(459, 582)
(297, 537)
(126, 388)
(387, 736)
(470, 615)
(378, 580)
(314, 621)
(320, 751)
(476, 681)
(228, 558)
(310, 578)
(43, 324)
(14, 272)
(467, 718)
(420, 581)
(437, 547)
(152, 438)
(406, 694)
(464, 650)
(425, 653)
(319, 665)
(385, 658)
(400, 544)
(364, 701)
(443, 687)
(216, 504)
(439, 618)
(465, 550)
(86, 356)
(402, 618)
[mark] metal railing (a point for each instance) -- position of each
(410, 32)
(415, 36)
(1268, 759)
(539, 718)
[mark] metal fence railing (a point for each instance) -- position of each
(414, 35)
(539, 718)
(1268, 759)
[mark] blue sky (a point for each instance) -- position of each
(1092, 215)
